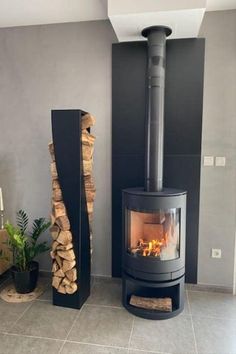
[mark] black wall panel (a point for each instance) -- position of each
(183, 126)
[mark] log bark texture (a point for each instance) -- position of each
(160, 304)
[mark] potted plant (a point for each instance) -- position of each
(25, 247)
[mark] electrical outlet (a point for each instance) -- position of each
(220, 161)
(215, 253)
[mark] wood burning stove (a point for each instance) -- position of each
(154, 217)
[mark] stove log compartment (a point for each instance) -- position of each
(154, 218)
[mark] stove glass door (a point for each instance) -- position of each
(154, 234)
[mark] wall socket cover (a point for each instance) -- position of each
(215, 253)
(208, 160)
(220, 161)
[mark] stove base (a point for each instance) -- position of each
(173, 289)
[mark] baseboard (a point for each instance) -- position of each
(212, 288)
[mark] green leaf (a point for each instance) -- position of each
(39, 226)
(22, 220)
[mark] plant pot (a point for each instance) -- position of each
(25, 282)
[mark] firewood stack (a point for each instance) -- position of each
(87, 150)
(62, 253)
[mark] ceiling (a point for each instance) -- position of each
(33, 12)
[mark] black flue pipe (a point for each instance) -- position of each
(156, 36)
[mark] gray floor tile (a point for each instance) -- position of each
(215, 335)
(45, 320)
(106, 293)
(47, 295)
(212, 304)
(9, 313)
(172, 336)
(78, 348)
(13, 344)
(186, 310)
(102, 325)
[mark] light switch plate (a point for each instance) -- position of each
(220, 161)
(208, 161)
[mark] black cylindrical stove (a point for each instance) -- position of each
(154, 248)
(154, 218)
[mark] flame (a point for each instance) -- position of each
(151, 248)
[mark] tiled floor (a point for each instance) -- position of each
(207, 326)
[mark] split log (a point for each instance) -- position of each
(61, 289)
(160, 304)
(87, 138)
(69, 255)
(87, 121)
(57, 195)
(55, 184)
(67, 265)
(63, 223)
(54, 230)
(56, 282)
(87, 151)
(59, 273)
(65, 247)
(55, 267)
(66, 281)
(54, 245)
(54, 170)
(89, 183)
(58, 260)
(53, 219)
(52, 254)
(90, 207)
(87, 167)
(65, 237)
(59, 209)
(72, 274)
(71, 289)
(90, 216)
(51, 150)
(90, 195)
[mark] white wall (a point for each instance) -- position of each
(43, 68)
(218, 185)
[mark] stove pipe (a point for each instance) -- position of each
(156, 36)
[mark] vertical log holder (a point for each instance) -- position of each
(66, 133)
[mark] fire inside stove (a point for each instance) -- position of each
(154, 234)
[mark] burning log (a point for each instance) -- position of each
(159, 304)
